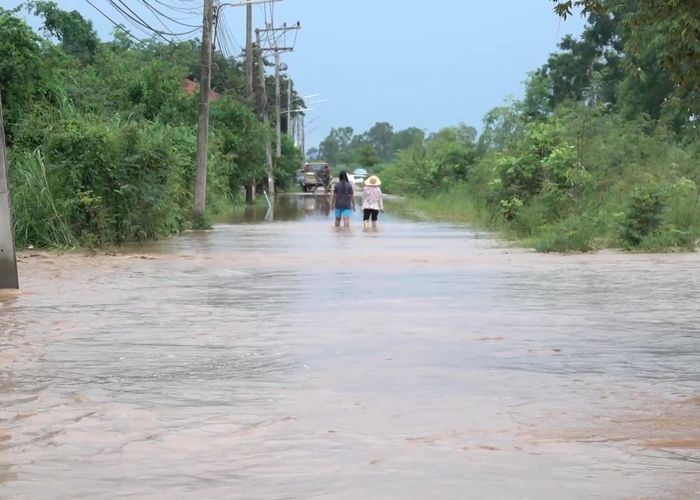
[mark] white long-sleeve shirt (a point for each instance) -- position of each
(372, 198)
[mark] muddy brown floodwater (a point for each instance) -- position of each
(282, 359)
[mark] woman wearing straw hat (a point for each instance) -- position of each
(372, 202)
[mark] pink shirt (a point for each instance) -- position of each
(372, 198)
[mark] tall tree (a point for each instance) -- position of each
(677, 25)
(76, 34)
(334, 148)
(21, 71)
(407, 138)
(380, 137)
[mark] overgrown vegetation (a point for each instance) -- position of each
(101, 135)
(602, 151)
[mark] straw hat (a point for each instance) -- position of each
(373, 180)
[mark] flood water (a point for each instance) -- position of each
(274, 357)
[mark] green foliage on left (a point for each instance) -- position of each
(102, 138)
(21, 75)
(114, 182)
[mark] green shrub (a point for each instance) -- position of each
(644, 215)
(114, 181)
(574, 234)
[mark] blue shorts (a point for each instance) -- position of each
(342, 212)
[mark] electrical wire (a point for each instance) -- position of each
(138, 21)
(120, 26)
(159, 13)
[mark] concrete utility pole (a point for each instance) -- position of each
(278, 103)
(250, 185)
(200, 183)
(249, 51)
(301, 142)
(264, 117)
(277, 51)
(289, 108)
(8, 260)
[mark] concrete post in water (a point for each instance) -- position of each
(200, 184)
(8, 261)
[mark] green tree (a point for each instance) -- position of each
(503, 127)
(239, 139)
(367, 156)
(407, 138)
(588, 69)
(335, 147)
(676, 23)
(76, 34)
(21, 68)
(380, 137)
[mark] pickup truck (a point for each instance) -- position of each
(316, 174)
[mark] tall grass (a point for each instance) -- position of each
(38, 215)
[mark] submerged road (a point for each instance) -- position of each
(280, 358)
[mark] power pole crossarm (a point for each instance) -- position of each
(296, 26)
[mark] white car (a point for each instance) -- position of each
(359, 174)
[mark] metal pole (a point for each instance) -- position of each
(8, 260)
(200, 184)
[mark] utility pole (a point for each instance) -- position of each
(303, 151)
(8, 260)
(289, 108)
(264, 117)
(250, 185)
(249, 51)
(277, 105)
(200, 183)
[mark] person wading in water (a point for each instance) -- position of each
(372, 203)
(343, 200)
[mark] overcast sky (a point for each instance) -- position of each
(407, 62)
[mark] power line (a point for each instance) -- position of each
(118, 25)
(138, 23)
(160, 13)
(137, 20)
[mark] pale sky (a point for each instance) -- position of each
(407, 62)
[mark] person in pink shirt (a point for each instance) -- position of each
(372, 202)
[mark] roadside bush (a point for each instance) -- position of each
(660, 217)
(116, 181)
(643, 216)
(573, 234)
